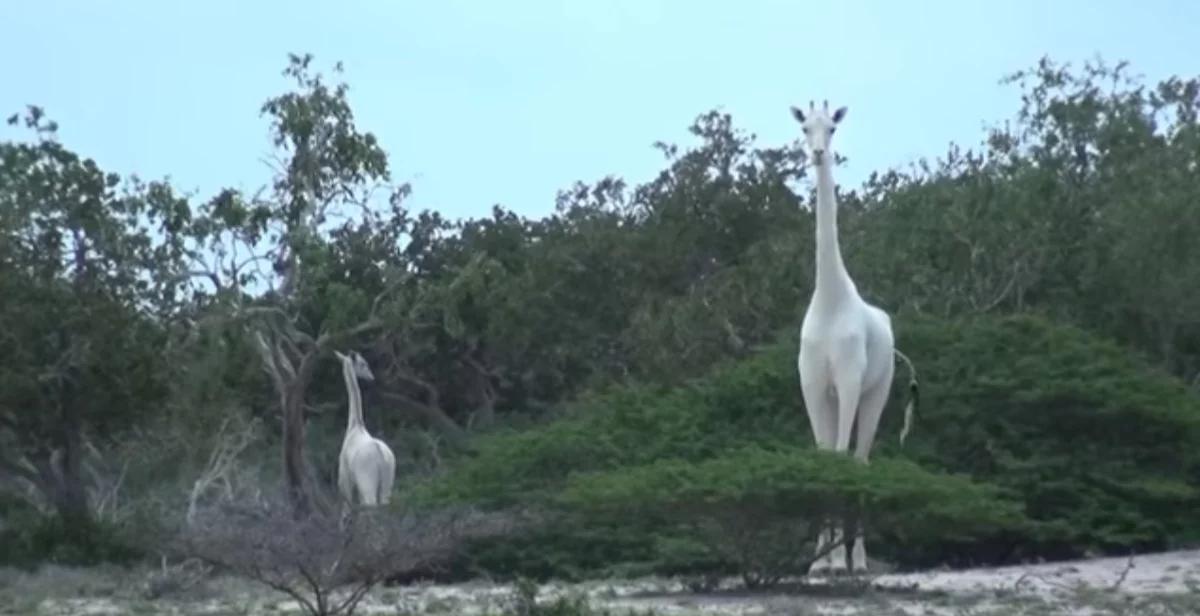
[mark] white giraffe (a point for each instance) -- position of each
(366, 464)
(846, 358)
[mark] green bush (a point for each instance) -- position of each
(760, 509)
(1104, 448)
(48, 539)
(1099, 447)
(741, 403)
(523, 601)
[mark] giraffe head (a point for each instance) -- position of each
(819, 126)
(357, 365)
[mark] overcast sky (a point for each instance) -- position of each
(490, 102)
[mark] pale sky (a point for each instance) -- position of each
(483, 102)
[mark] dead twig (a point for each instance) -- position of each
(221, 464)
(1124, 574)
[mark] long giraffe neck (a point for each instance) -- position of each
(354, 394)
(832, 278)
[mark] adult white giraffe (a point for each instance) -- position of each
(366, 464)
(847, 349)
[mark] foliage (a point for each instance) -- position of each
(761, 509)
(87, 286)
(1081, 207)
(1101, 445)
(1005, 402)
(51, 540)
(747, 402)
(634, 328)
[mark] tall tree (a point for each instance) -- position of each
(88, 274)
(327, 172)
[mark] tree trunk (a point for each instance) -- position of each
(70, 498)
(482, 393)
(58, 473)
(433, 416)
(293, 447)
(70, 492)
(295, 463)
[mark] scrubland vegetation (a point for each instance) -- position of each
(608, 391)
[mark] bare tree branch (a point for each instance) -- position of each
(1004, 292)
(200, 273)
(315, 558)
(401, 371)
(268, 352)
(435, 416)
(325, 340)
(18, 471)
(221, 463)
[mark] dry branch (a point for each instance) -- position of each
(325, 562)
(222, 463)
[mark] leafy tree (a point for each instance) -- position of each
(327, 169)
(1080, 207)
(87, 286)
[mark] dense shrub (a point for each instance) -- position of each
(1102, 446)
(44, 539)
(749, 402)
(1097, 445)
(760, 509)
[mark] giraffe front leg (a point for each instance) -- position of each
(858, 555)
(822, 415)
(837, 557)
(869, 413)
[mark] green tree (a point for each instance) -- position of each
(88, 286)
(327, 171)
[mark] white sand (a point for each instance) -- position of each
(1165, 584)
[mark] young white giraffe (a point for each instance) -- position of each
(846, 358)
(366, 464)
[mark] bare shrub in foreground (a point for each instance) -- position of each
(325, 561)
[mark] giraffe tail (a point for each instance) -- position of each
(914, 396)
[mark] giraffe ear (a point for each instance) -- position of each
(839, 114)
(339, 355)
(799, 115)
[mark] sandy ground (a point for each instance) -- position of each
(1166, 584)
